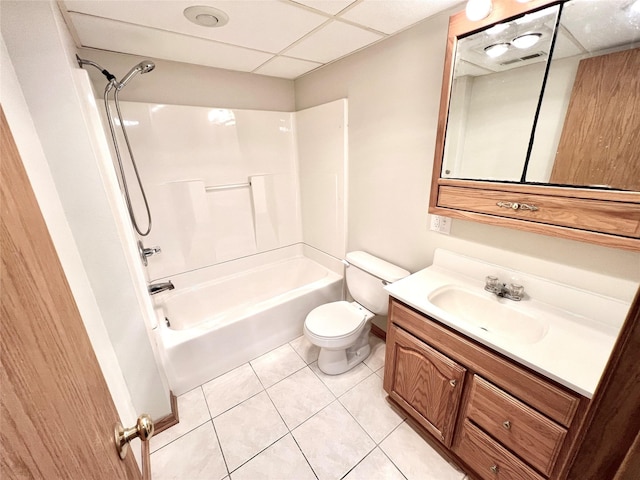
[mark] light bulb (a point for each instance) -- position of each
(527, 40)
(478, 9)
(496, 50)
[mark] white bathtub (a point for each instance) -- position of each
(220, 323)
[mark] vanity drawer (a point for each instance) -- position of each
(489, 459)
(554, 402)
(524, 431)
(617, 218)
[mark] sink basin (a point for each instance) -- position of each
(489, 313)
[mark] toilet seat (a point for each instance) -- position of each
(336, 320)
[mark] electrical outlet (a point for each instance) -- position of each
(440, 224)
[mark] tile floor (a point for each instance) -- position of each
(279, 417)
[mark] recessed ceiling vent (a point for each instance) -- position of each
(206, 16)
(524, 59)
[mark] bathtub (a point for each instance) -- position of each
(214, 321)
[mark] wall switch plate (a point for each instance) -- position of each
(440, 224)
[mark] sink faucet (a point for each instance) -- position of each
(160, 287)
(512, 291)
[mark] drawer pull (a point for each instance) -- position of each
(517, 206)
(494, 468)
(453, 382)
(507, 424)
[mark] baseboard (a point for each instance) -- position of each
(170, 420)
(378, 332)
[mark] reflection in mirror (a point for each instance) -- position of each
(497, 79)
(588, 133)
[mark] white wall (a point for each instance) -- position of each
(184, 84)
(393, 90)
(44, 65)
(322, 139)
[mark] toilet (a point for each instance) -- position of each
(341, 329)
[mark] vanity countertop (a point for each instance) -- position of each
(577, 328)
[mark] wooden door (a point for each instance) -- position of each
(425, 382)
(600, 139)
(56, 412)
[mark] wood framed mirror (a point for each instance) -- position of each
(544, 138)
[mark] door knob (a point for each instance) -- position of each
(143, 429)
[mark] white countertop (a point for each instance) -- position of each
(581, 327)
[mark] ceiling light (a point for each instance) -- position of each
(478, 9)
(496, 50)
(206, 16)
(527, 40)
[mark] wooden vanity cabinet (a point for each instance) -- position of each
(501, 420)
(425, 383)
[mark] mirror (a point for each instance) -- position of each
(549, 97)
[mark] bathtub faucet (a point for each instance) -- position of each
(160, 287)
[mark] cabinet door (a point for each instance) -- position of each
(427, 384)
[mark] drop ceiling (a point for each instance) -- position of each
(280, 38)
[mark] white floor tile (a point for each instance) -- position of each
(230, 389)
(195, 456)
(307, 350)
(415, 458)
(380, 373)
(192, 411)
(333, 442)
(282, 460)
(339, 384)
(375, 360)
(300, 396)
(375, 466)
(277, 365)
(247, 429)
(368, 405)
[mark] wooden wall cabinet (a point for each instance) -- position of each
(497, 418)
(604, 104)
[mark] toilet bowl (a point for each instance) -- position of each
(341, 329)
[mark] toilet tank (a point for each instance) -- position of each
(364, 280)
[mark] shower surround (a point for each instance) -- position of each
(250, 253)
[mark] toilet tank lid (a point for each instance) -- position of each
(376, 266)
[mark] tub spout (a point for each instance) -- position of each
(160, 287)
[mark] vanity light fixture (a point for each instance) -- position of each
(527, 40)
(478, 9)
(496, 49)
(633, 7)
(206, 16)
(497, 28)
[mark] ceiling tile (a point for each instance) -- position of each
(142, 41)
(328, 6)
(266, 25)
(333, 41)
(285, 67)
(389, 16)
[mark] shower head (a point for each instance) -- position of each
(143, 67)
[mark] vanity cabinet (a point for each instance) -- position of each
(500, 419)
(425, 383)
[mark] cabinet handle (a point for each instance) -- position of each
(453, 382)
(517, 206)
(507, 424)
(494, 468)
